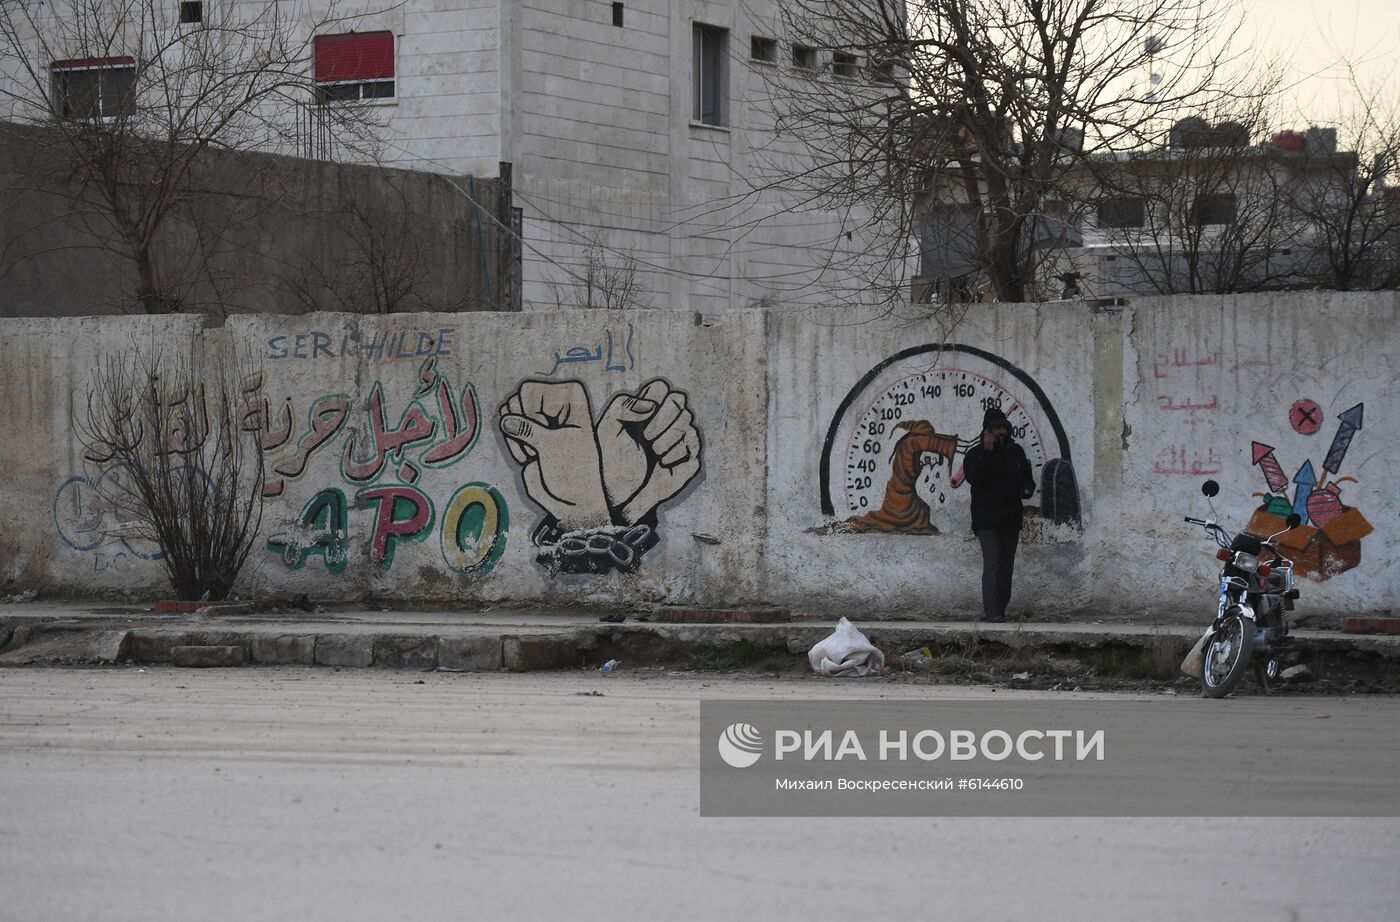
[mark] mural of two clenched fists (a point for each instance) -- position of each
(600, 479)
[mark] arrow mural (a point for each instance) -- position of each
(1273, 471)
(1349, 423)
(1327, 543)
(1305, 480)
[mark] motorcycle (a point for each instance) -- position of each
(1250, 630)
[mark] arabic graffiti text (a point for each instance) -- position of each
(1173, 462)
(382, 457)
(614, 350)
(436, 429)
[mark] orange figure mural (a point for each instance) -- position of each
(903, 510)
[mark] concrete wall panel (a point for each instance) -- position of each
(805, 457)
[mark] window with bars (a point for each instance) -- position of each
(354, 66)
(1122, 212)
(763, 50)
(1216, 208)
(804, 57)
(94, 88)
(845, 65)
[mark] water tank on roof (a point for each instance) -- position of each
(1321, 140)
(1231, 134)
(1190, 131)
(1294, 141)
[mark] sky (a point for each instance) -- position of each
(1310, 35)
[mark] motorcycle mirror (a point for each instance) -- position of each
(1210, 488)
(1293, 520)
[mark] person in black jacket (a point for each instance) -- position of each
(1001, 478)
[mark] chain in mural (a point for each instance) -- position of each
(1328, 542)
(892, 461)
(382, 461)
(600, 480)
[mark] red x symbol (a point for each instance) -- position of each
(1306, 417)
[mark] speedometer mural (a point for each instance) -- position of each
(892, 461)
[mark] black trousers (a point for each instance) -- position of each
(998, 561)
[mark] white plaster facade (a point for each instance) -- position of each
(596, 120)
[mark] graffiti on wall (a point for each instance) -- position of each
(386, 346)
(600, 480)
(1328, 542)
(613, 350)
(98, 515)
(892, 460)
(1176, 373)
(381, 451)
(100, 512)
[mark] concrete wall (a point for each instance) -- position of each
(259, 232)
(792, 457)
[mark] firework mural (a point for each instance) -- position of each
(1328, 542)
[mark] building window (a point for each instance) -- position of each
(804, 57)
(91, 88)
(355, 66)
(617, 14)
(884, 72)
(844, 64)
(1218, 208)
(191, 11)
(1122, 212)
(711, 81)
(763, 50)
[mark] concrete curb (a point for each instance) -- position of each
(688, 646)
(1367, 625)
(201, 657)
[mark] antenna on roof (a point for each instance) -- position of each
(1152, 46)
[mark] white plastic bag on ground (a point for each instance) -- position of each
(847, 652)
(1195, 663)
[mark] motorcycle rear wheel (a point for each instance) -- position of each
(1227, 656)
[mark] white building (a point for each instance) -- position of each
(634, 129)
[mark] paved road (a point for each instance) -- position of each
(315, 794)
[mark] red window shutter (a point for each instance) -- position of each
(86, 63)
(356, 56)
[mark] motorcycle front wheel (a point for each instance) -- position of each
(1227, 656)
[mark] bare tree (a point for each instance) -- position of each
(374, 260)
(1351, 197)
(136, 97)
(180, 441)
(1208, 211)
(606, 282)
(985, 105)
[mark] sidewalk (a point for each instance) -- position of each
(524, 640)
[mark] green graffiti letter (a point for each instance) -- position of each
(474, 529)
(322, 531)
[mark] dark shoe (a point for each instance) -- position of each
(994, 619)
